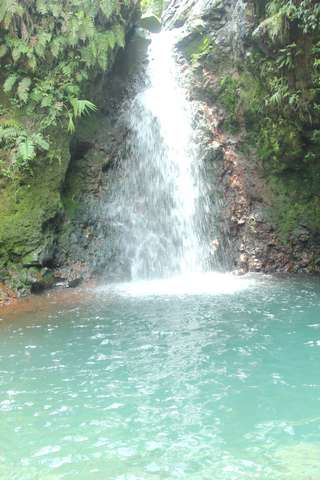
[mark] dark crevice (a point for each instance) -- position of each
(79, 149)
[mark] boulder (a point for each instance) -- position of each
(151, 23)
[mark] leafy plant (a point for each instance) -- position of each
(49, 50)
(22, 146)
(152, 6)
(203, 49)
(79, 108)
(282, 115)
(229, 97)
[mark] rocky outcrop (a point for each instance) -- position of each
(217, 41)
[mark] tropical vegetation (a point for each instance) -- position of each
(276, 92)
(48, 53)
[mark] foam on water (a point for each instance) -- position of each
(210, 283)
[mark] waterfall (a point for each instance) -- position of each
(158, 204)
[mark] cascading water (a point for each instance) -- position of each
(158, 206)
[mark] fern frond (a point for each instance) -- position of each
(56, 46)
(120, 35)
(26, 151)
(9, 83)
(71, 125)
(81, 107)
(23, 89)
(42, 7)
(9, 8)
(7, 134)
(107, 7)
(9, 122)
(40, 142)
(41, 43)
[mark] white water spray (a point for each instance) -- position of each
(155, 206)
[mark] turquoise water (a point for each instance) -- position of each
(218, 380)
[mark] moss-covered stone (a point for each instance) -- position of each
(29, 203)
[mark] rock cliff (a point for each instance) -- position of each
(253, 86)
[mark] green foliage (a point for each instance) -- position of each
(48, 53)
(229, 97)
(273, 98)
(79, 108)
(9, 83)
(28, 203)
(23, 89)
(203, 49)
(290, 83)
(280, 144)
(275, 27)
(306, 13)
(296, 201)
(154, 7)
(22, 146)
(280, 99)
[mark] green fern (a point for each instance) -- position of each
(71, 124)
(7, 134)
(26, 151)
(48, 52)
(81, 107)
(8, 9)
(108, 7)
(23, 89)
(42, 7)
(9, 83)
(119, 33)
(154, 7)
(42, 41)
(40, 142)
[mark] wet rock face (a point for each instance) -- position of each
(82, 250)
(228, 22)
(248, 237)
(86, 244)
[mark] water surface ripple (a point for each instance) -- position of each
(123, 386)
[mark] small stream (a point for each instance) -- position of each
(164, 380)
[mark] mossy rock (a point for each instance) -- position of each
(30, 206)
(151, 23)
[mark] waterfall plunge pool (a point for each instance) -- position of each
(164, 382)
